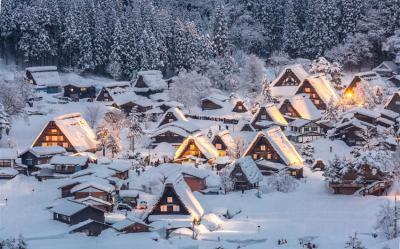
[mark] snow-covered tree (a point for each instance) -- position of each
(307, 152)
(133, 122)
(13, 243)
(291, 30)
(102, 134)
(335, 169)
(354, 243)
(332, 71)
(282, 182)
(392, 46)
(253, 74)
(385, 221)
(332, 112)
(113, 144)
(220, 32)
(5, 125)
(115, 119)
(189, 88)
(92, 114)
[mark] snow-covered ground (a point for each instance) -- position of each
(311, 210)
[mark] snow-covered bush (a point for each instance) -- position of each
(13, 243)
(189, 88)
(354, 243)
(307, 151)
(281, 182)
(333, 71)
(385, 221)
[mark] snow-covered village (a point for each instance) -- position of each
(185, 124)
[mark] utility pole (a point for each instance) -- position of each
(395, 216)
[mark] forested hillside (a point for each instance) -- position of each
(119, 37)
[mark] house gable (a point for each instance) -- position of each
(191, 150)
(262, 149)
(239, 107)
(104, 95)
(207, 104)
(394, 103)
(168, 118)
(287, 109)
(169, 203)
(308, 89)
(289, 78)
(220, 145)
(52, 135)
(140, 82)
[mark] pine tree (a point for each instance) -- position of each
(351, 13)
(385, 221)
(291, 39)
(180, 46)
(102, 134)
(354, 243)
(134, 127)
(307, 152)
(220, 32)
(113, 144)
(115, 67)
(5, 125)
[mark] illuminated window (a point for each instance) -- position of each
(164, 208)
(293, 173)
(269, 156)
(240, 108)
(47, 138)
(65, 145)
(218, 146)
(170, 120)
(83, 89)
(317, 102)
(60, 138)
(71, 90)
(307, 89)
(175, 208)
(192, 147)
(44, 144)
(397, 102)
(170, 199)
(54, 138)
(262, 147)
(53, 130)
(254, 156)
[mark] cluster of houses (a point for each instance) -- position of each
(224, 134)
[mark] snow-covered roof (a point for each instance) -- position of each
(74, 160)
(371, 78)
(128, 193)
(170, 128)
(304, 107)
(227, 138)
(130, 96)
(387, 66)
(324, 88)
(273, 112)
(164, 150)
(120, 225)
(117, 84)
(299, 122)
(8, 153)
(202, 142)
(119, 166)
(91, 200)
(176, 112)
(68, 208)
(185, 195)
(93, 187)
(47, 150)
(153, 79)
(77, 131)
(8, 172)
(249, 168)
(45, 76)
(297, 69)
(281, 145)
(173, 170)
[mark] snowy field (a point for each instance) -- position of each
(309, 211)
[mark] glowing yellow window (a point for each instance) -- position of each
(54, 138)
(293, 173)
(65, 145)
(262, 147)
(164, 208)
(170, 199)
(218, 146)
(53, 130)
(44, 144)
(176, 208)
(307, 89)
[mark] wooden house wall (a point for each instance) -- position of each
(52, 136)
(169, 137)
(69, 168)
(104, 95)
(308, 89)
(239, 107)
(136, 228)
(127, 108)
(169, 191)
(92, 229)
(168, 118)
(288, 79)
(66, 190)
(192, 150)
(122, 175)
(220, 146)
(394, 104)
(84, 214)
(269, 154)
(195, 183)
(288, 110)
(75, 92)
(100, 195)
(239, 179)
(207, 104)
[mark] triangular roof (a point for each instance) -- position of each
(201, 142)
(185, 196)
(323, 87)
(45, 76)
(176, 112)
(281, 145)
(226, 138)
(76, 130)
(274, 114)
(388, 66)
(304, 106)
(298, 71)
(153, 79)
(249, 168)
